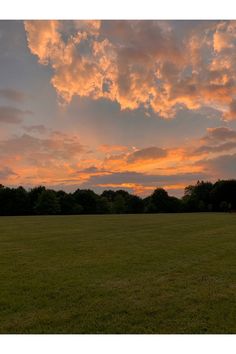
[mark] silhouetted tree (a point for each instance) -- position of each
(14, 201)
(34, 194)
(87, 199)
(103, 206)
(134, 204)
(203, 196)
(198, 197)
(224, 191)
(109, 195)
(224, 206)
(160, 199)
(68, 204)
(47, 203)
(119, 205)
(175, 205)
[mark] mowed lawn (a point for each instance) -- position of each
(160, 273)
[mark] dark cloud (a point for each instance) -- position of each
(12, 95)
(216, 140)
(91, 169)
(12, 115)
(142, 178)
(213, 149)
(223, 166)
(219, 134)
(147, 154)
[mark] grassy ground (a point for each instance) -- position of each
(118, 274)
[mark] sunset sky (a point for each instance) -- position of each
(129, 105)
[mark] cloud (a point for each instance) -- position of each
(12, 95)
(221, 41)
(12, 115)
(41, 129)
(214, 149)
(43, 160)
(139, 63)
(216, 141)
(90, 170)
(107, 148)
(142, 178)
(56, 158)
(140, 183)
(231, 113)
(157, 65)
(6, 172)
(224, 36)
(219, 134)
(149, 153)
(43, 38)
(220, 167)
(55, 147)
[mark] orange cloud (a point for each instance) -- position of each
(139, 63)
(43, 38)
(60, 159)
(221, 41)
(106, 148)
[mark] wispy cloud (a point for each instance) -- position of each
(40, 128)
(6, 172)
(13, 95)
(12, 115)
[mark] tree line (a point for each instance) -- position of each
(201, 197)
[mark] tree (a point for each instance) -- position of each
(34, 194)
(6, 205)
(87, 199)
(203, 196)
(224, 191)
(21, 201)
(119, 204)
(224, 206)
(198, 197)
(149, 206)
(14, 201)
(160, 199)
(135, 204)
(68, 204)
(175, 205)
(47, 203)
(103, 206)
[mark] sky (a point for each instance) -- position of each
(131, 105)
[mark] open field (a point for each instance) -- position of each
(163, 273)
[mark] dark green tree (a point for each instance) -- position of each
(87, 199)
(47, 203)
(119, 205)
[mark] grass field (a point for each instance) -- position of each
(158, 273)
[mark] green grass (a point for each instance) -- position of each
(158, 273)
